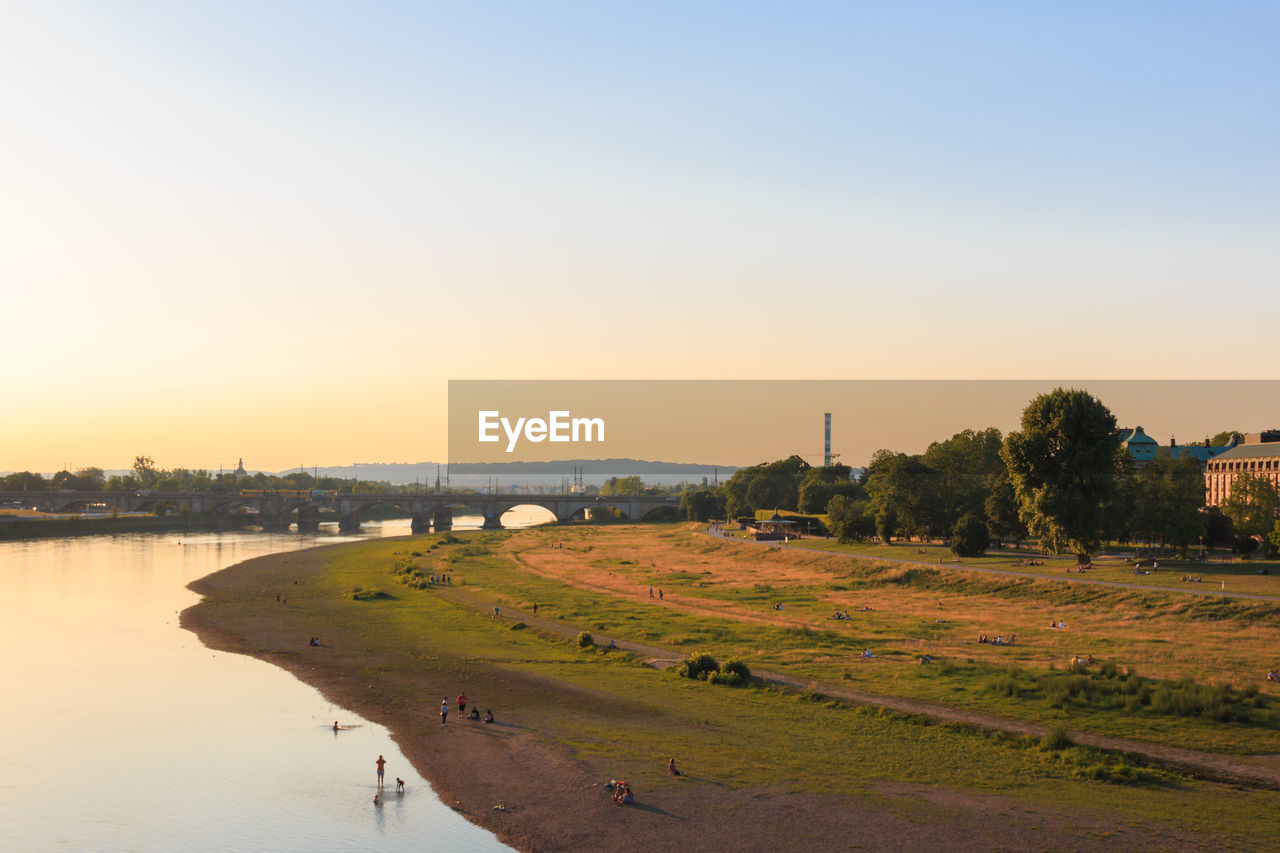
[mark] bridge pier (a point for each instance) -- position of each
(308, 518)
(419, 523)
(348, 515)
(492, 521)
(442, 519)
(274, 522)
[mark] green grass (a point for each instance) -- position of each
(823, 649)
(609, 710)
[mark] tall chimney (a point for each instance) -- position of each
(826, 447)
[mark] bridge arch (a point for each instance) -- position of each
(540, 511)
(663, 512)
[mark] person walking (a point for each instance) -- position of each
(444, 711)
(382, 764)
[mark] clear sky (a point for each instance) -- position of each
(275, 230)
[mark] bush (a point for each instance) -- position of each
(1246, 545)
(969, 538)
(1056, 739)
(360, 594)
(585, 640)
(698, 666)
(734, 673)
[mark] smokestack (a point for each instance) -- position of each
(826, 447)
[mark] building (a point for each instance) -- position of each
(1258, 455)
(776, 527)
(1143, 448)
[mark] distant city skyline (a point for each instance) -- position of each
(276, 231)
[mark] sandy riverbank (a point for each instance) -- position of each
(552, 799)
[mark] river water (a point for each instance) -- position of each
(123, 732)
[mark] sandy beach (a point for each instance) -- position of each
(516, 780)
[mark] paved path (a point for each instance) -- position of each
(1253, 772)
(1214, 593)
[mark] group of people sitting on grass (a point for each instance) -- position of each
(1193, 578)
(1058, 624)
(1000, 640)
(621, 792)
(314, 642)
(1079, 567)
(1273, 675)
(1020, 563)
(1077, 660)
(840, 614)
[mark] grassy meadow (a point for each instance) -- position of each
(1172, 669)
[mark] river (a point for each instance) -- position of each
(123, 732)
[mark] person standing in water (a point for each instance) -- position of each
(382, 764)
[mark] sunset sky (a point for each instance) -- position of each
(276, 230)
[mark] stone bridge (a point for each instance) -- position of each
(276, 511)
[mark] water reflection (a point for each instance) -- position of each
(123, 732)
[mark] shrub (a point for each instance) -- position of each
(359, 594)
(585, 640)
(969, 538)
(734, 673)
(698, 666)
(1056, 739)
(519, 626)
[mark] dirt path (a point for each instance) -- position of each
(1259, 772)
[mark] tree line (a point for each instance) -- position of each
(1063, 478)
(146, 476)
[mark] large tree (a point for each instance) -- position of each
(1253, 506)
(911, 493)
(1001, 509)
(970, 467)
(848, 518)
(145, 472)
(820, 485)
(772, 485)
(702, 504)
(1062, 464)
(1164, 501)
